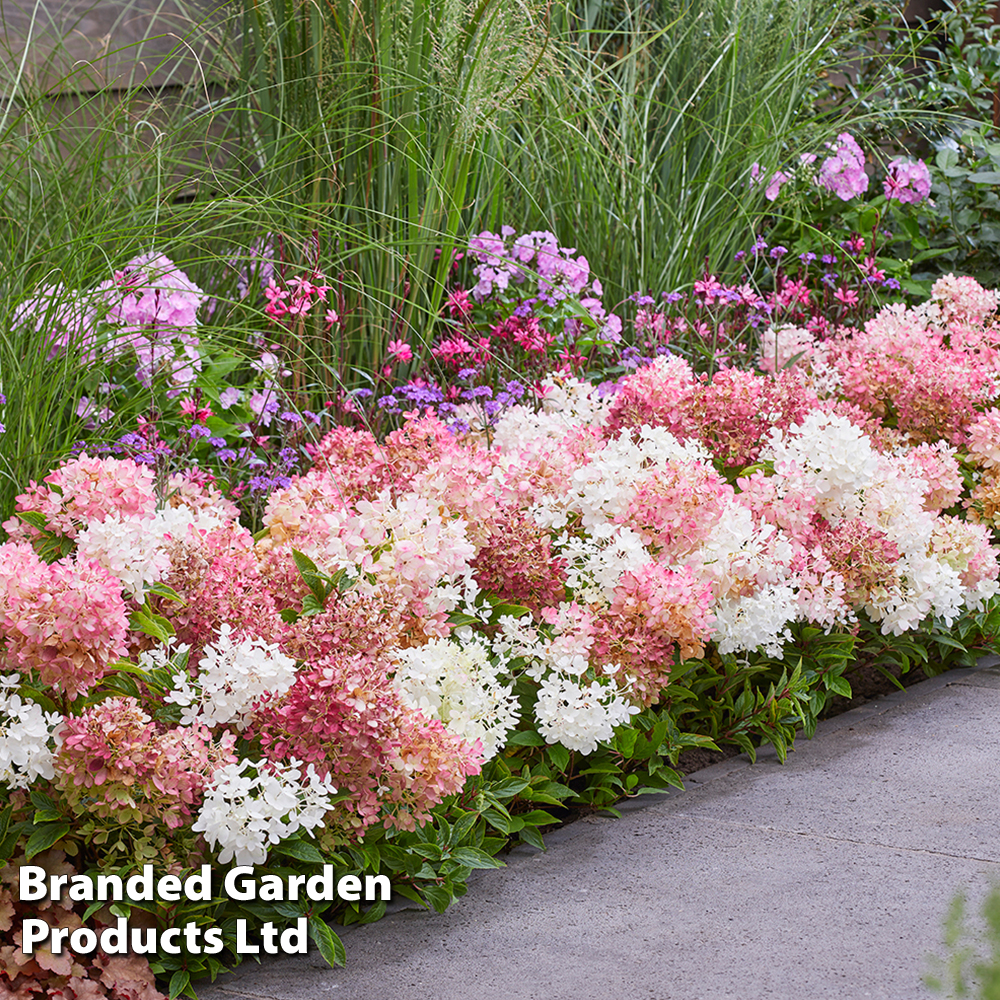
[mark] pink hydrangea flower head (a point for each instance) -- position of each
(65, 621)
(984, 439)
(86, 489)
(658, 395)
(346, 716)
(964, 300)
(938, 467)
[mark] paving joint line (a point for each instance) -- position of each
(836, 840)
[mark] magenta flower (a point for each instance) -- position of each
(400, 350)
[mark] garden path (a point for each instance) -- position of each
(826, 877)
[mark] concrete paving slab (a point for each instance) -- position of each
(826, 877)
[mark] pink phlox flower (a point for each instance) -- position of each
(158, 295)
(229, 396)
(847, 296)
(773, 188)
(90, 412)
(907, 181)
(652, 323)
(843, 172)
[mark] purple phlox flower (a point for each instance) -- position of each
(631, 357)
(92, 413)
(808, 257)
(290, 417)
(226, 455)
(777, 252)
(132, 440)
(384, 401)
(829, 258)
(199, 431)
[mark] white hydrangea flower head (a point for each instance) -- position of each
(234, 675)
(518, 637)
(780, 344)
(757, 621)
(579, 716)
(567, 404)
(596, 563)
(741, 554)
(927, 586)
(134, 548)
(457, 683)
(416, 545)
(604, 487)
(893, 501)
(249, 807)
(836, 457)
(29, 737)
